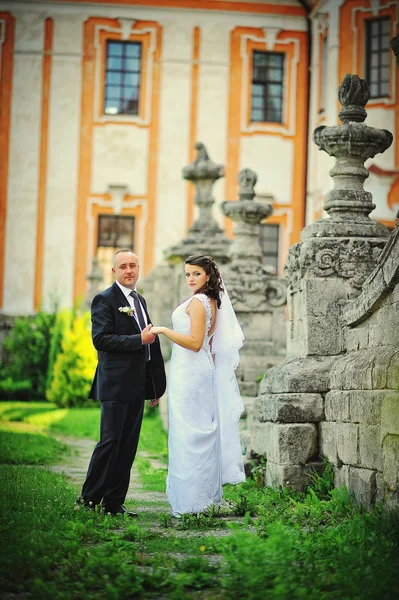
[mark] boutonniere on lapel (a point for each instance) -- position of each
(128, 310)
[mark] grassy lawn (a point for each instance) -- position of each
(274, 544)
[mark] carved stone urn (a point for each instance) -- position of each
(351, 143)
(204, 235)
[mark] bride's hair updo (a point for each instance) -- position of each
(214, 286)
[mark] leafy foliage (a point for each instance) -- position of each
(63, 322)
(74, 366)
(23, 371)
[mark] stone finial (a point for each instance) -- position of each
(351, 143)
(203, 166)
(95, 278)
(395, 47)
(204, 235)
(246, 210)
(353, 94)
(247, 180)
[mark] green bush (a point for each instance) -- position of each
(63, 322)
(15, 390)
(24, 369)
(74, 366)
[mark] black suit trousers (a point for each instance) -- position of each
(108, 474)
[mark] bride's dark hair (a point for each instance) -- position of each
(214, 286)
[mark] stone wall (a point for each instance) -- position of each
(361, 433)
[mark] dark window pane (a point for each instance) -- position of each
(257, 89)
(275, 90)
(132, 79)
(132, 64)
(273, 117)
(114, 63)
(260, 73)
(267, 86)
(257, 115)
(130, 94)
(375, 43)
(115, 231)
(374, 27)
(122, 78)
(269, 242)
(374, 90)
(114, 49)
(112, 91)
(275, 75)
(275, 60)
(374, 75)
(260, 58)
(114, 78)
(133, 50)
(385, 42)
(258, 102)
(377, 33)
(374, 60)
(385, 74)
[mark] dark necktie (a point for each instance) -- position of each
(140, 318)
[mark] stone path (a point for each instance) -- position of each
(75, 468)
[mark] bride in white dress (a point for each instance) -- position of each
(204, 402)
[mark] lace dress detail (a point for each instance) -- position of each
(194, 479)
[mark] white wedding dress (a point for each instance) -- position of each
(201, 455)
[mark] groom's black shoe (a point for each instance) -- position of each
(85, 503)
(118, 510)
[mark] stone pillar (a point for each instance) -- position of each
(95, 278)
(258, 296)
(204, 236)
(328, 266)
(165, 287)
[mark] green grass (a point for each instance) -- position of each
(277, 544)
(80, 423)
(30, 448)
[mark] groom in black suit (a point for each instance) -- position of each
(130, 369)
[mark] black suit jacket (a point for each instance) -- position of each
(122, 373)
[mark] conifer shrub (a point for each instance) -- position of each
(74, 366)
(63, 323)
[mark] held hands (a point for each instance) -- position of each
(157, 330)
(147, 337)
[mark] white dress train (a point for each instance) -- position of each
(199, 462)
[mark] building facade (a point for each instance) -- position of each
(101, 103)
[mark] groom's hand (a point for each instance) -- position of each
(146, 336)
(153, 402)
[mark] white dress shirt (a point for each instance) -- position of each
(129, 298)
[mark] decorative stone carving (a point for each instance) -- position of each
(204, 235)
(257, 293)
(395, 47)
(351, 259)
(251, 285)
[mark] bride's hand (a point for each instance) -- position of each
(157, 330)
